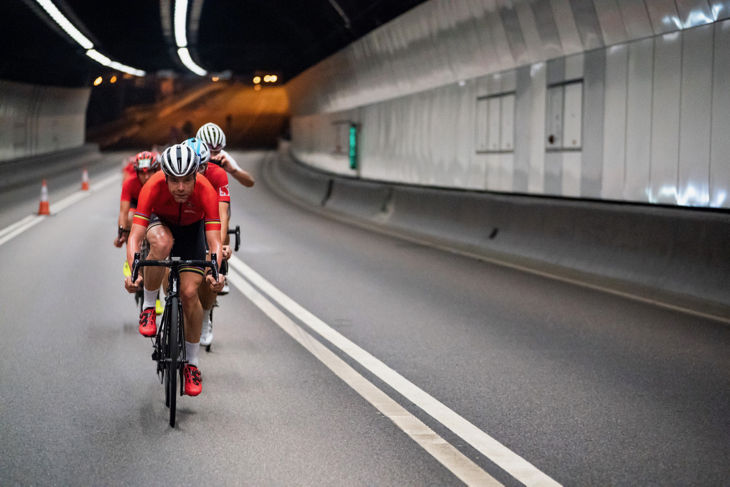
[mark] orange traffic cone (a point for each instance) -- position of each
(85, 180)
(43, 209)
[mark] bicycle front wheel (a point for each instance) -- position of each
(173, 348)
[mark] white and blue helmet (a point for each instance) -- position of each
(212, 135)
(200, 148)
(179, 161)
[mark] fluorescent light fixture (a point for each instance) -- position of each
(188, 62)
(105, 61)
(69, 28)
(65, 24)
(181, 12)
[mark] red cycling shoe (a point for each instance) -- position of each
(147, 322)
(193, 380)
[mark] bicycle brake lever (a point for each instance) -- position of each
(135, 267)
(214, 263)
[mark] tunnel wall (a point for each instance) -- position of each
(37, 120)
(625, 100)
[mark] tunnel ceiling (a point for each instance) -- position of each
(284, 36)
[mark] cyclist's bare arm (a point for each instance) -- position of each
(230, 166)
(136, 235)
(123, 222)
(214, 245)
(223, 212)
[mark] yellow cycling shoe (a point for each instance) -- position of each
(158, 307)
(127, 271)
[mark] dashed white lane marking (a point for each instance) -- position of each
(12, 231)
(502, 456)
(461, 466)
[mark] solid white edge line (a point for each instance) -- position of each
(15, 225)
(505, 458)
(451, 458)
(31, 223)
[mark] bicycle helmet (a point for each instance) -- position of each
(146, 161)
(200, 148)
(179, 160)
(212, 135)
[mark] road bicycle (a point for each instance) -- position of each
(169, 343)
(224, 271)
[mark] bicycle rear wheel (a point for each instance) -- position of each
(173, 348)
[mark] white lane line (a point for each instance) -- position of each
(451, 458)
(506, 459)
(18, 230)
(15, 229)
(15, 225)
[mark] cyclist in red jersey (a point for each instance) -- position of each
(178, 210)
(145, 165)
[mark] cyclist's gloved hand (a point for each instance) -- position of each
(226, 252)
(119, 241)
(132, 286)
(226, 162)
(215, 286)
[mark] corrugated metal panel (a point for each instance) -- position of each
(719, 164)
(523, 122)
(665, 117)
(571, 174)
(511, 23)
(638, 120)
(636, 18)
(528, 26)
(720, 9)
(696, 117)
(554, 173)
(536, 179)
(487, 44)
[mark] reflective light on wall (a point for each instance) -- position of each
(257, 87)
(113, 80)
(82, 40)
(97, 81)
(181, 38)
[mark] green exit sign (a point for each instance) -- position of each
(353, 146)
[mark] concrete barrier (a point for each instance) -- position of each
(667, 253)
(18, 172)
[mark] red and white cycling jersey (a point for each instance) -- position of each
(156, 198)
(218, 177)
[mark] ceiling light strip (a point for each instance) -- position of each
(83, 41)
(181, 39)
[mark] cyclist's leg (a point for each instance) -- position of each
(160, 241)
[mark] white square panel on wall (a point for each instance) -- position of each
(494, 128)
(573, 116)
(554, 118)
(481, 125)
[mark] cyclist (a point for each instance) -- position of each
(178, 211)
(214, 137)
(219, 179)
(145, 164)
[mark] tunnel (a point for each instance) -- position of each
(406, 242)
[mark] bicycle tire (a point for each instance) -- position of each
(172, 334)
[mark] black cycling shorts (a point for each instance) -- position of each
(189, 242)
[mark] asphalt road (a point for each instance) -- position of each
(589, 388)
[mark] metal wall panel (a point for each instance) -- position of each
(507, 128)
(523, 122)
(664, 16)
(492, 181)
(555, 71)
(694, 12)
(720, 9)
(571, 174)
(636, 18)
(612, 25)
(574, 67)
(494, 124)
(614, 123)
(553, 173)
(507, 173)
(567, 30)
(548, 31)
(510, 21)
(638, 120)
(696, 117)
(573, 116)
(665, 116)
(481, 125)
(720, 149)
(594, 90)
(587, 22)
(554, 117)
(499, 35)
(528, 26)
(536, 180)
(482, 29)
